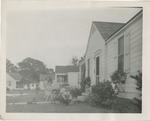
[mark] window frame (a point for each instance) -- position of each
(121, 53)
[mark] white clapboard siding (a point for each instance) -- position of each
(135, 54)
(132, 54)
(96, 43)
(112, 58)
(115, 55)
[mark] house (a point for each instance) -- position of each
(32, 85)
(115, 46)
(18, 79)
(68, 74)
(10, 82)
(45, 78)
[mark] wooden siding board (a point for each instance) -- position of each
(135, 53)
(96, 42)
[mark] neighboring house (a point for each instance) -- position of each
(10, 82)
(44, 79)
(31, 85)
(18, 78)
(68, 74)
(115, 46)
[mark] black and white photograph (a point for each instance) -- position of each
(74, 60)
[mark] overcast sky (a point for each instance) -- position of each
(54, 36)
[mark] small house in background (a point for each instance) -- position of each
(10, 82)
(115, 46)
(30, 83)
(44, 79)
(17, 77)
(68, 74)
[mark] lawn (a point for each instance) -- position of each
(26, 98)
(56, 108)
(48, 107)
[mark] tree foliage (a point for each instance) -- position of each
(138, 79)
(82, 58)
(75, 60)
(32, 68)
(101, 92)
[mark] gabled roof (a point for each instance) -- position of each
(9, 78)
(66, 69)
(15, 76)
(107, 29)
(45, 77)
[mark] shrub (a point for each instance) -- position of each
(75, 92)
(88, 81)
(138, 79)
(118, 77)
(85, 82)
(101, 92)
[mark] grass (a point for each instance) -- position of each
(125, 106)
(21, 91)
(48, 107)
(120, 105)
(25, 98)
(56, 108)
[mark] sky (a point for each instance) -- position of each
(54, 36)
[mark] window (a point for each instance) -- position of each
(97, 69)
(121, 54)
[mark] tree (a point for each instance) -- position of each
(32, 68)
(75, 60)
(10, 67)
(82, 58)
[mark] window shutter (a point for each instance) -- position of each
(115, 55)
(126, 52)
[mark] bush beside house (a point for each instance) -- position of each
(138, 79)
(75, 92)
(103, 95)
(85, 83)
(101, 92)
